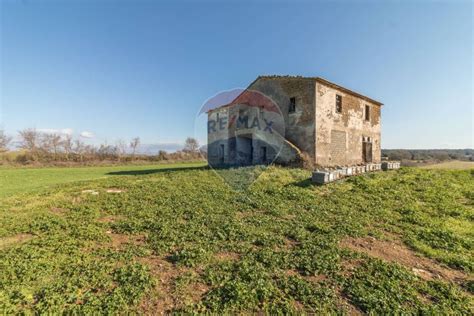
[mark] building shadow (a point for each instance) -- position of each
(152, 171)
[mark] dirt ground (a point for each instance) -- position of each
(395, 251)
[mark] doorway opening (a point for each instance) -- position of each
(366, 149)
(244, 149)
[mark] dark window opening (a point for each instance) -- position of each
(251, 153)
(338, 103)
(232, 148)
(263, 154)
(367, 113)
(292, 107)
(221, 153)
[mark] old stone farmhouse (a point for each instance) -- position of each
(282, 118)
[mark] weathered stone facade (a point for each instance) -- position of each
(307, 121)
(351, 122)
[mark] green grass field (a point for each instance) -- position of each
(172, 239)
(19, 180)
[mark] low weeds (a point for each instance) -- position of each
(281, 233)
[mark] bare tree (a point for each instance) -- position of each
(90, 151)
(56, 144)
(50, 143)
(79, 149)
(191, 145)
(30, 140)
(4, 141)
(134, 145)
(121, 148)
(67, 145)
(45, 143)
(107, 151)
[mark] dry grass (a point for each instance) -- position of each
(456, 164)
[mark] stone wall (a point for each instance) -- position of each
(331, 126)
(338, 145)
(299, 125)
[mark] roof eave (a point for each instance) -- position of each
(336, 86)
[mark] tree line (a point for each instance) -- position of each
(429, 154)
(49, 148)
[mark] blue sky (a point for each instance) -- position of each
(119, 69)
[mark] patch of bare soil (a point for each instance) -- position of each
(315, 278)
(345, 305)
(110, 219)
(193, 293)
(242, 215)
(227, 256)
(349, 266)
(161, 301)
(299, 307)
(289, 217)
(292, 273)
(290, 243)
(395, 251)
(14, 240)
(118, 240)
(58, 210)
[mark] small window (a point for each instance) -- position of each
(367, 113)
(292, 107)
(338, 103)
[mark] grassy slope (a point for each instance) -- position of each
(19, 180)
(183, 240)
